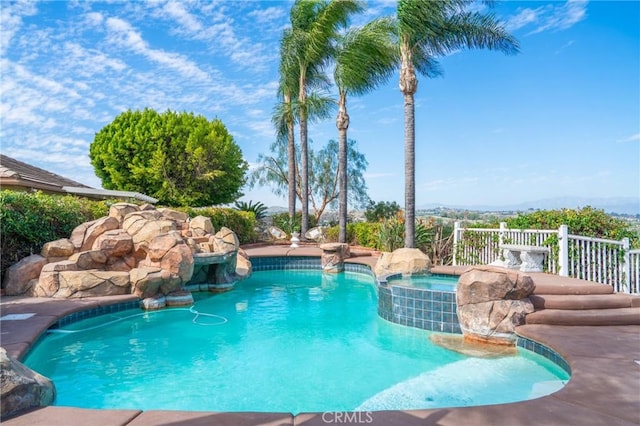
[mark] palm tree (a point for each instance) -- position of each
(314, 25)
(365, 58)
(426, 30)
(284, 117)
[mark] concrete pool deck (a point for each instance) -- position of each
(604, 388)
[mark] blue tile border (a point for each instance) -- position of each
(94, 312)
(545, 351)
(423, 308)
(273, 263)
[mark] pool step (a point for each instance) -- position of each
(584, 301)
(552, 284)
(567, 301)
(614, 316)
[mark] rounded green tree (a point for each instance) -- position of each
(181, 159)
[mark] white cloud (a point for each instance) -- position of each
(177, 11)
(551, 17)
(564, 46)
(523, 18)
(11, 16)
(268, 15)
(123, 34)
(632, 138)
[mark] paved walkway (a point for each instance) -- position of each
(604, 388)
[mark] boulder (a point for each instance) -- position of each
(174, 215)
(200, 226)
(144, 226)
(77, 235)
(77, 284)
(147, 206)
(243, 265)
(90, 259)
(484, 284)
(179, 298)
(49, 281)
(114, 243)
(121, 210)
(58, 248)
(22, 388)
(407, 261)
(124, 263)
(225, 241)
(18, 276)
(146, 282)
(179, 262)
(153, 303)
(96, 229)
(492, 302)
(161, 244)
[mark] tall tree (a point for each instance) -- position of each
(285, 115)
(314, 25)
(426, 30)
(180, 158)
(365, 58)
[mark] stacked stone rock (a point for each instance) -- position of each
(492, 302)
(142, 250)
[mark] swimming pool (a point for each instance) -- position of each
(293, 341)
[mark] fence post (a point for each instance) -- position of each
(626, 267)
(563, 251)
(503, 228)
(456, 229)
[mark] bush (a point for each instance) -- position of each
(381, 210)
(282, 221)
(588, 222)
(241, 222)
(29, 220)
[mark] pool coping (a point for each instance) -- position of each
(604, 386)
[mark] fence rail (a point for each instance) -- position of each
(594, 259)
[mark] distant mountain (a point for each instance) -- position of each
(621, 205)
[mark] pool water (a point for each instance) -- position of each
(430, 282)
(291, 341)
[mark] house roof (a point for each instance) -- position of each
(12, 169)
(15, 174)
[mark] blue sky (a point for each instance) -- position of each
(562, 118)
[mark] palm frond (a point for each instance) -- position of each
(366, 56)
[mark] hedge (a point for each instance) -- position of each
(29, 220)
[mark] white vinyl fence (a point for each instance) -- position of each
(594, 259)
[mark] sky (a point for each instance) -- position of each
(561, 118)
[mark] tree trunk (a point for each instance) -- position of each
(291, 162)
(409, 86)
(342, 123)
(409, 172)
(304, 156)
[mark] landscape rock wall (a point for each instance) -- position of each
(136, 250)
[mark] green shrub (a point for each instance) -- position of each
(241, 222)
(29, 220)
(258, 209)
(282, 221)
(588, 222)
(381, 210)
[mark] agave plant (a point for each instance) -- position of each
(258, 209)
